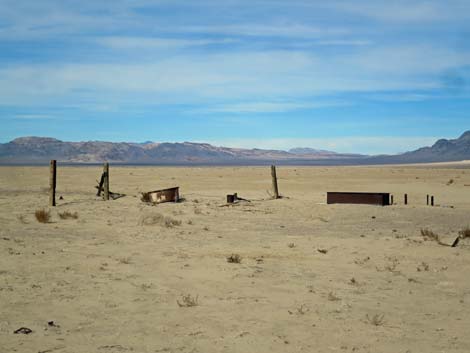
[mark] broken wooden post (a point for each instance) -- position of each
(406, 199)
(100, 185)
(52, 182)
(432, 200)
(106, 182)
(274, 177)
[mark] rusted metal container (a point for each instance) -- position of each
(160, 196)
(232, 198)
(366, 198)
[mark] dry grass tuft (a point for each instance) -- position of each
(188, 301)
(301, 310)
(43, 216)
(159, 219)
(422, 267)
(234, 259)
(332, 297)
(376, 319)
(429, 235)
(145, 197)
(68, 215)
(392, 265)
(465, 233)
(450, 182)
(22, 219)
(124, 260)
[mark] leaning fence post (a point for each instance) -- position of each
(52, 182)
(274, 177)
(106, 181)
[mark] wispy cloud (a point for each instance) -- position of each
(268, 107)
(210, 60)
(125, 42)
(34, 117)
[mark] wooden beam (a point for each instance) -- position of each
(106, 182)
(100, 185)
(274, 178)
(52, 182)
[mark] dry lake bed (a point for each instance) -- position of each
(287, 275)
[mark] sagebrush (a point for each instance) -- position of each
(43, 215)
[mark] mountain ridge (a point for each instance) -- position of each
(38, 150)
(34, 149)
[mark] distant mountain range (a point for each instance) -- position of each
(39, 150)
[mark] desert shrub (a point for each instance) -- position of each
(234, 259)
(429, 235)
(43, 216)
(170, 222)
(68, 215)
(465, 233)
(376, 319)
(188, 301)
(145, 197)
(423, 266)
(159, 219)
(332, 297)
(22, 219)
(124, 260)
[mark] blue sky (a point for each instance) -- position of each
(367, 76)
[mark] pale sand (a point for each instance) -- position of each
(112, 284)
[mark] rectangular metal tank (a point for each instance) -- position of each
(366, 198)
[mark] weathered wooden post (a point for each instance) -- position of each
(106, 182)
(406, 199)
(52, 182)
(427, 200)
(274, 177)
(391, 200)
(432, 200)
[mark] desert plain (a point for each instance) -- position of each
(304, 276)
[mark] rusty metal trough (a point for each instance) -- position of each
(160, 196)
(367, 198)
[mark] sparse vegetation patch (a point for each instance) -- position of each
(187, 301)
(429, 235)
(159, 219)
(234, 259)
(376, 319)
(68, 215)
(43, 216)
(465, 233)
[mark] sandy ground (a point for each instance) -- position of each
(114, 279)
